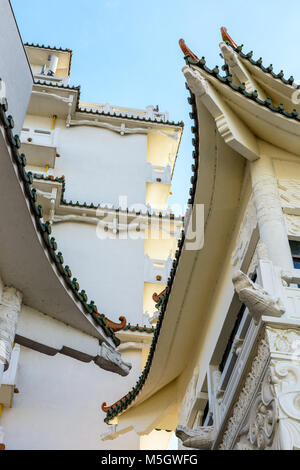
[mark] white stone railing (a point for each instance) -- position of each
(49, 80)
(150, 111)
(38, 136)
(158, 174)
(157, 270)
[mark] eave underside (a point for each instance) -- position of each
(220, 179)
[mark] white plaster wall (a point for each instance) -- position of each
(14, 67)
(59, 404)
(100, 165)
(111, 271)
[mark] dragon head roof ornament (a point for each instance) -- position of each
(226, 37)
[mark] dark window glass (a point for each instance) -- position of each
(210, 421)
(234, 331)
(295, 249)
(230, 342)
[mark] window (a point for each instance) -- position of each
(232, 336)
(295, 249)
(237, 324)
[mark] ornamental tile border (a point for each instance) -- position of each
(258, 63)
(128, 116)
(139, 329)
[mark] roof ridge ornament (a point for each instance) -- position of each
(227, 37)
(116, 326)
(187, 51)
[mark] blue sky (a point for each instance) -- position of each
(126, 51)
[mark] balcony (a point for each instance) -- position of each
(158, 174)
(157, 270)
(39, 146)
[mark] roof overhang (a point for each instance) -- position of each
(221, 174)
(233, 125)
(25, 262)
(39, 54)
(48, 100)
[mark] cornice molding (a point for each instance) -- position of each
(122, 129)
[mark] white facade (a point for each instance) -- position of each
(81, 160)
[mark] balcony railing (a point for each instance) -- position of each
(37, 136)
(157, 270)
(150, 112)
(39, 146)
(52, 80)
(158, 174)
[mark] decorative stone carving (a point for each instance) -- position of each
(266, 414)
(285, 341)
(197, 84)
(237, 69)
(274, 419)
(224, 128)
(286, 377)
(258, 301)
(108, 356)
(248, 225)
(9, 313)
(109, 434)
(242, 403)
(292, 224)
(259, 430)
(289, 192)
(200, 438)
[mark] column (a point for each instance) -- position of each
(272, 228)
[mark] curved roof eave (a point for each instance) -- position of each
(174, 325)
(38, 271)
